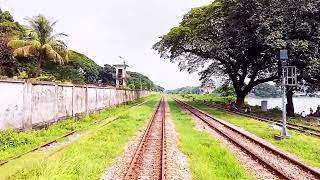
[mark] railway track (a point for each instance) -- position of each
(300, 128)
(278, 163)
(2, 162)
(5, 161)
(149, 159)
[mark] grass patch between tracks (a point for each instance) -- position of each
(305, 147)
(13, 143)
(208, 159)
(91, 123)
(88, 156)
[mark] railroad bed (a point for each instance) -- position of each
(300, 128)
(149, 159)
(275, 161)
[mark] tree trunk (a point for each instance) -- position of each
(38, 70)
(290, 107)
(240, 99)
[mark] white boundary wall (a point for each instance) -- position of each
(24, 104)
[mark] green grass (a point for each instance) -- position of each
(13, 143)
(274, 113)
(88, 156)
(305, 147)
(208, 159)
(207, 97)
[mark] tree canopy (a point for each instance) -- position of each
(40, 43)
(241, 39)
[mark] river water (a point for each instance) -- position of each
(300, 103)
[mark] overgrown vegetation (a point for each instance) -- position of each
(13, 143)
(140, 81)
(88, 156)
(306, 147)
(208, 159)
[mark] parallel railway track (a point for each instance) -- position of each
(284, 166)
(149, 159)
(300, 128)
(2, 162)
(5, 161)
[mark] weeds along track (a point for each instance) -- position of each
(276, 161)
(68, 134)
(300, 128)
(2, 162)
(149, 159)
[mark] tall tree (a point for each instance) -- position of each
(108, 75)
(301, 36)
(6, 62)
(241, 39)
(41, 43)
(230, 38)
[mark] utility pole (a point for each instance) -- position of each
(284, 59)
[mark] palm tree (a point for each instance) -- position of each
(41, 43)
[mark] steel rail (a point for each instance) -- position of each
(5, 161)
(300, 128)
(134, 161)
(302, 166)
(36, 148)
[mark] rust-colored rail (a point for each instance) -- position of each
(135, 163)
(200, 114)
(34, 149)
(300, 128)
(2, 162)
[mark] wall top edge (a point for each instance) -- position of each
(35, 82)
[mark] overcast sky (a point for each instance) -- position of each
(106, 29)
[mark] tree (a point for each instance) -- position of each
(225, 90)
(108, 75)
(266, 90)
(300, 35)
(230, 36)
(41, 43)
(6, 62)
(241, 40)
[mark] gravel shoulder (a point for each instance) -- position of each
(176, 162)
(252, 166)
(177, 166)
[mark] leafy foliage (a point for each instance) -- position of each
(225, 90)
(85, 66)
(108, 75)
(266, 90)
(41, 43)
(140, 81)
(241, 40)
(6, 61)
(41, 55)
(185, 90)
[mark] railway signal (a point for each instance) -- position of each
(288, 78)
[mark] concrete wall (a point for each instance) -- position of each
(24, 104)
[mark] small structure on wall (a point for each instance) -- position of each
(121, 74)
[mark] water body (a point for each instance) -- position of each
(300, 103)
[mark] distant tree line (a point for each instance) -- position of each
(185, 90)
